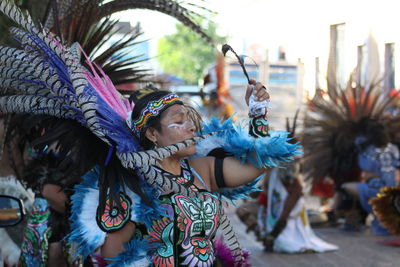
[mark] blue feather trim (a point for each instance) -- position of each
(85, 231)
(147, 214)
(138, 252)
(241, 192)
(86, 234)
(261, 152)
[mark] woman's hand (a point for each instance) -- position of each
(260, 91)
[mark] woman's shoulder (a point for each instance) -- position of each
(203, 166)
(201, 162)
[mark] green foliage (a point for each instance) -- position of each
(185, 54)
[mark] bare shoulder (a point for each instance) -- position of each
(201, 162)
(204, 167)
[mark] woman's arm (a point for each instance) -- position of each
(234, 173)
(55, 196)
(114, 243)
(237, 174)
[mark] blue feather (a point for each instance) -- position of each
(85, 245)
(261, 152)
(147, 214)
(241, 192)
(138, 249)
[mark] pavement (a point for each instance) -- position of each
(356, 249)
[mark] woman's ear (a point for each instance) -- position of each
(151, 134)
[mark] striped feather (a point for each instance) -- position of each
(231, 239)
(150, 157)
(33, 104)
(13, 86)
(14, 13)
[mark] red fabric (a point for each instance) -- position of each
(322, 188)
(393, 242)
(262, 198)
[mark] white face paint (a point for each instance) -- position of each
(184, 125)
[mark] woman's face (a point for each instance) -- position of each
(175, 127)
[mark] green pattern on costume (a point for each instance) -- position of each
(186, 234)
(35, 245)
(168, 249)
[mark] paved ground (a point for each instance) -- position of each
(355, 250)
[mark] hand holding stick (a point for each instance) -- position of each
(257, 98)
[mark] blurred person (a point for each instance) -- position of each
(378, 159)
(287, 228)
(283, 222)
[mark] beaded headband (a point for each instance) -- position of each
(153, 109)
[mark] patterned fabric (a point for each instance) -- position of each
(114, 217)
(383, 162)
(186, 178)
(34, 248)
(186, 234)
(259, 127)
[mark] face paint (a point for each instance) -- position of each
(185, 125)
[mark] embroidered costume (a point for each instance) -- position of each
(176, 220)
(334, 124)
(383, 162)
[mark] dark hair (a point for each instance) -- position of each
(141, 103)
(376, 133)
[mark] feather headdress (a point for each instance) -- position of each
(333, 121)
(46, 78)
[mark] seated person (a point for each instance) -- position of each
(286, 222)
(378, 159)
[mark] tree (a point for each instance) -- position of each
(185, 54)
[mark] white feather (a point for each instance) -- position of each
(9, 251)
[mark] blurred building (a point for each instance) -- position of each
(283, 79)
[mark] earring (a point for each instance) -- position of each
(155, 144)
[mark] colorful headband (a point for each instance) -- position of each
(153, 109)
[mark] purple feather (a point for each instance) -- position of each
(105, 88)
(224, 253)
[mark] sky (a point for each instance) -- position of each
(301, 27)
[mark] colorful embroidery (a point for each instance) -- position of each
(186, 237)
(153, 109)
(34, 248)
(114, 218)
(201, 252)
(162, 232)
(197, 221)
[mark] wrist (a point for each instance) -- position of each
(259, 127)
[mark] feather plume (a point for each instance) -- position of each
(261, 152)
(386, 206)
(334, 119)
(241, 192)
